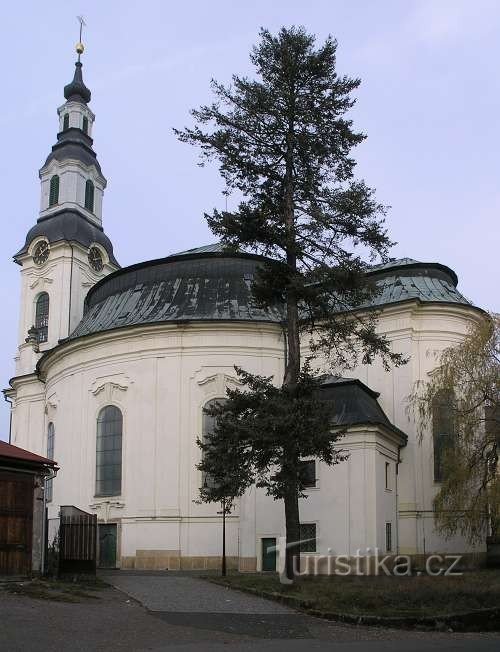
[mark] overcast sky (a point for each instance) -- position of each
(429, 103)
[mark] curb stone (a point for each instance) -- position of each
(478, 620)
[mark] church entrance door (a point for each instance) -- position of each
(107, 545)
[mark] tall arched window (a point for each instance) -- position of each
(66, 121)
(208, 425)
(109, 452)
(89, 196)
(42, 317)
(85, 125)
(54, 190)
(50, 454)
(442, 431)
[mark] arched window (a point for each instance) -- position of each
(66, 121)
(54, 190)
(89, 196)
(208, 425)
(442, 431)
(42, 317)
(109, 452)
(50, 454)
(85, 125)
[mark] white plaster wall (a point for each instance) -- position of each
(73, 176)
(76, 111)
(349, 504)
(28, 415)
(161, 376)
(66, 277)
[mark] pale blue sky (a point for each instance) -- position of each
(429, 102)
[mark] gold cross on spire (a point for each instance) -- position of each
(79, 46)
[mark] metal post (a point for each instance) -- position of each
(45, 523)
(224, 537)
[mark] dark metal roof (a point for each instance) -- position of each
(356, 404)
(74, 144)
(210, 284)
(76, 89)
(405, 281)
(216, 247)
(396, 265)
(72, 226)
(178, 288)
(393, 262)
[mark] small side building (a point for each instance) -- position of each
(22, 479)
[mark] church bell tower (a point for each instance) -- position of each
(67, 251)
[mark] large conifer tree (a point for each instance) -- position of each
(284, 146)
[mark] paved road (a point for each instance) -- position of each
(187, 602)
(200, 617)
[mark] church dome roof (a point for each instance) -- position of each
(70, 226)
(188, 286)
(211, 284)
(404, 279)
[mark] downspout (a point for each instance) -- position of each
(9, 401)
(70, 288)
(397, 498)
(50, 476)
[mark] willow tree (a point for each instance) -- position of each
(283, 143)
(468, 376)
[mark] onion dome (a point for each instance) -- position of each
(76, 90)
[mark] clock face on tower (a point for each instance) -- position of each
(41, 253)
(95, 259)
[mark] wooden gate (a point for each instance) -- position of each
(77, 540)
(16, 523)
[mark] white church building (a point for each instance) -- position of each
(115, 365)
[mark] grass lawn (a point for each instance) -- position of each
(384, 596)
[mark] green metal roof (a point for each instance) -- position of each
(210, 284)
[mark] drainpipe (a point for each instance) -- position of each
(50, 476)
(9, 401)
(397, 499)
(70, 289)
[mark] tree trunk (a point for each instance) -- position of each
(292, 522)
(292, 370)
(292, 313)
(293, 341)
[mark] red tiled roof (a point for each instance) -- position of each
(21, 455)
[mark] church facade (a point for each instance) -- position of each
(115, 365)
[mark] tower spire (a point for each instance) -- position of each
(79, 46)
(77, 90)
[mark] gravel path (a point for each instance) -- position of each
(191, 595)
